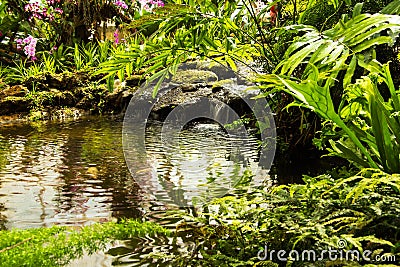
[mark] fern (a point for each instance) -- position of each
(361, 210)
(392, 8)
(330, 50)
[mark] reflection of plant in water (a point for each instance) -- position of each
(4, 73)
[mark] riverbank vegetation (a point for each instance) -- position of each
(331, 73)
(56, 246)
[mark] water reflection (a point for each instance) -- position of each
(201, 162)
(71, 173)
(74, 173)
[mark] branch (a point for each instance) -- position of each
(15, 245)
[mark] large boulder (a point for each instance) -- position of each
(189, 86)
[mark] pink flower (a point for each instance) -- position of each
(120, 3)
(116, 36)
(29, 45)
(148, 5)
(19, 44)
(43, 10)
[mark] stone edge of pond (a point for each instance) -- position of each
(63, 96)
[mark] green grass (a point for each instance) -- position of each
(57, 245)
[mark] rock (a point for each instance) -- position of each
(85, 103)
(194, 76)
(125, 98)
(223, 83)
(179, 97)
(221, 71)
(118, 100)
(54, 80)
(134, 80)
(118, 84)
(217, 89)
(64, 81)
(190, 87)
(14, 104)
(59, 98)
(36, 83)
(16, 90)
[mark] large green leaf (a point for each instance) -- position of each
(392, 8)
(370, 132)
(354, 36)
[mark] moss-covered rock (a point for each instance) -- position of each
(194, 76)
(16, 90)
(14, 104)
(39, 96)
(60, 114)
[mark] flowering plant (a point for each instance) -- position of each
(116, 37)
(148, 5)
(44, 10)
(29, 46)
(121, 4)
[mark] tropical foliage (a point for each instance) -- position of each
(368, 121)
(326, 55)
(325, 213)
(224, 32)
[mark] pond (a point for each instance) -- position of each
(74, 173)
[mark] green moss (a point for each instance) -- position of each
(35, 115)
(222, 83)
(322, 14)
(194, 76)
(13, 98)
